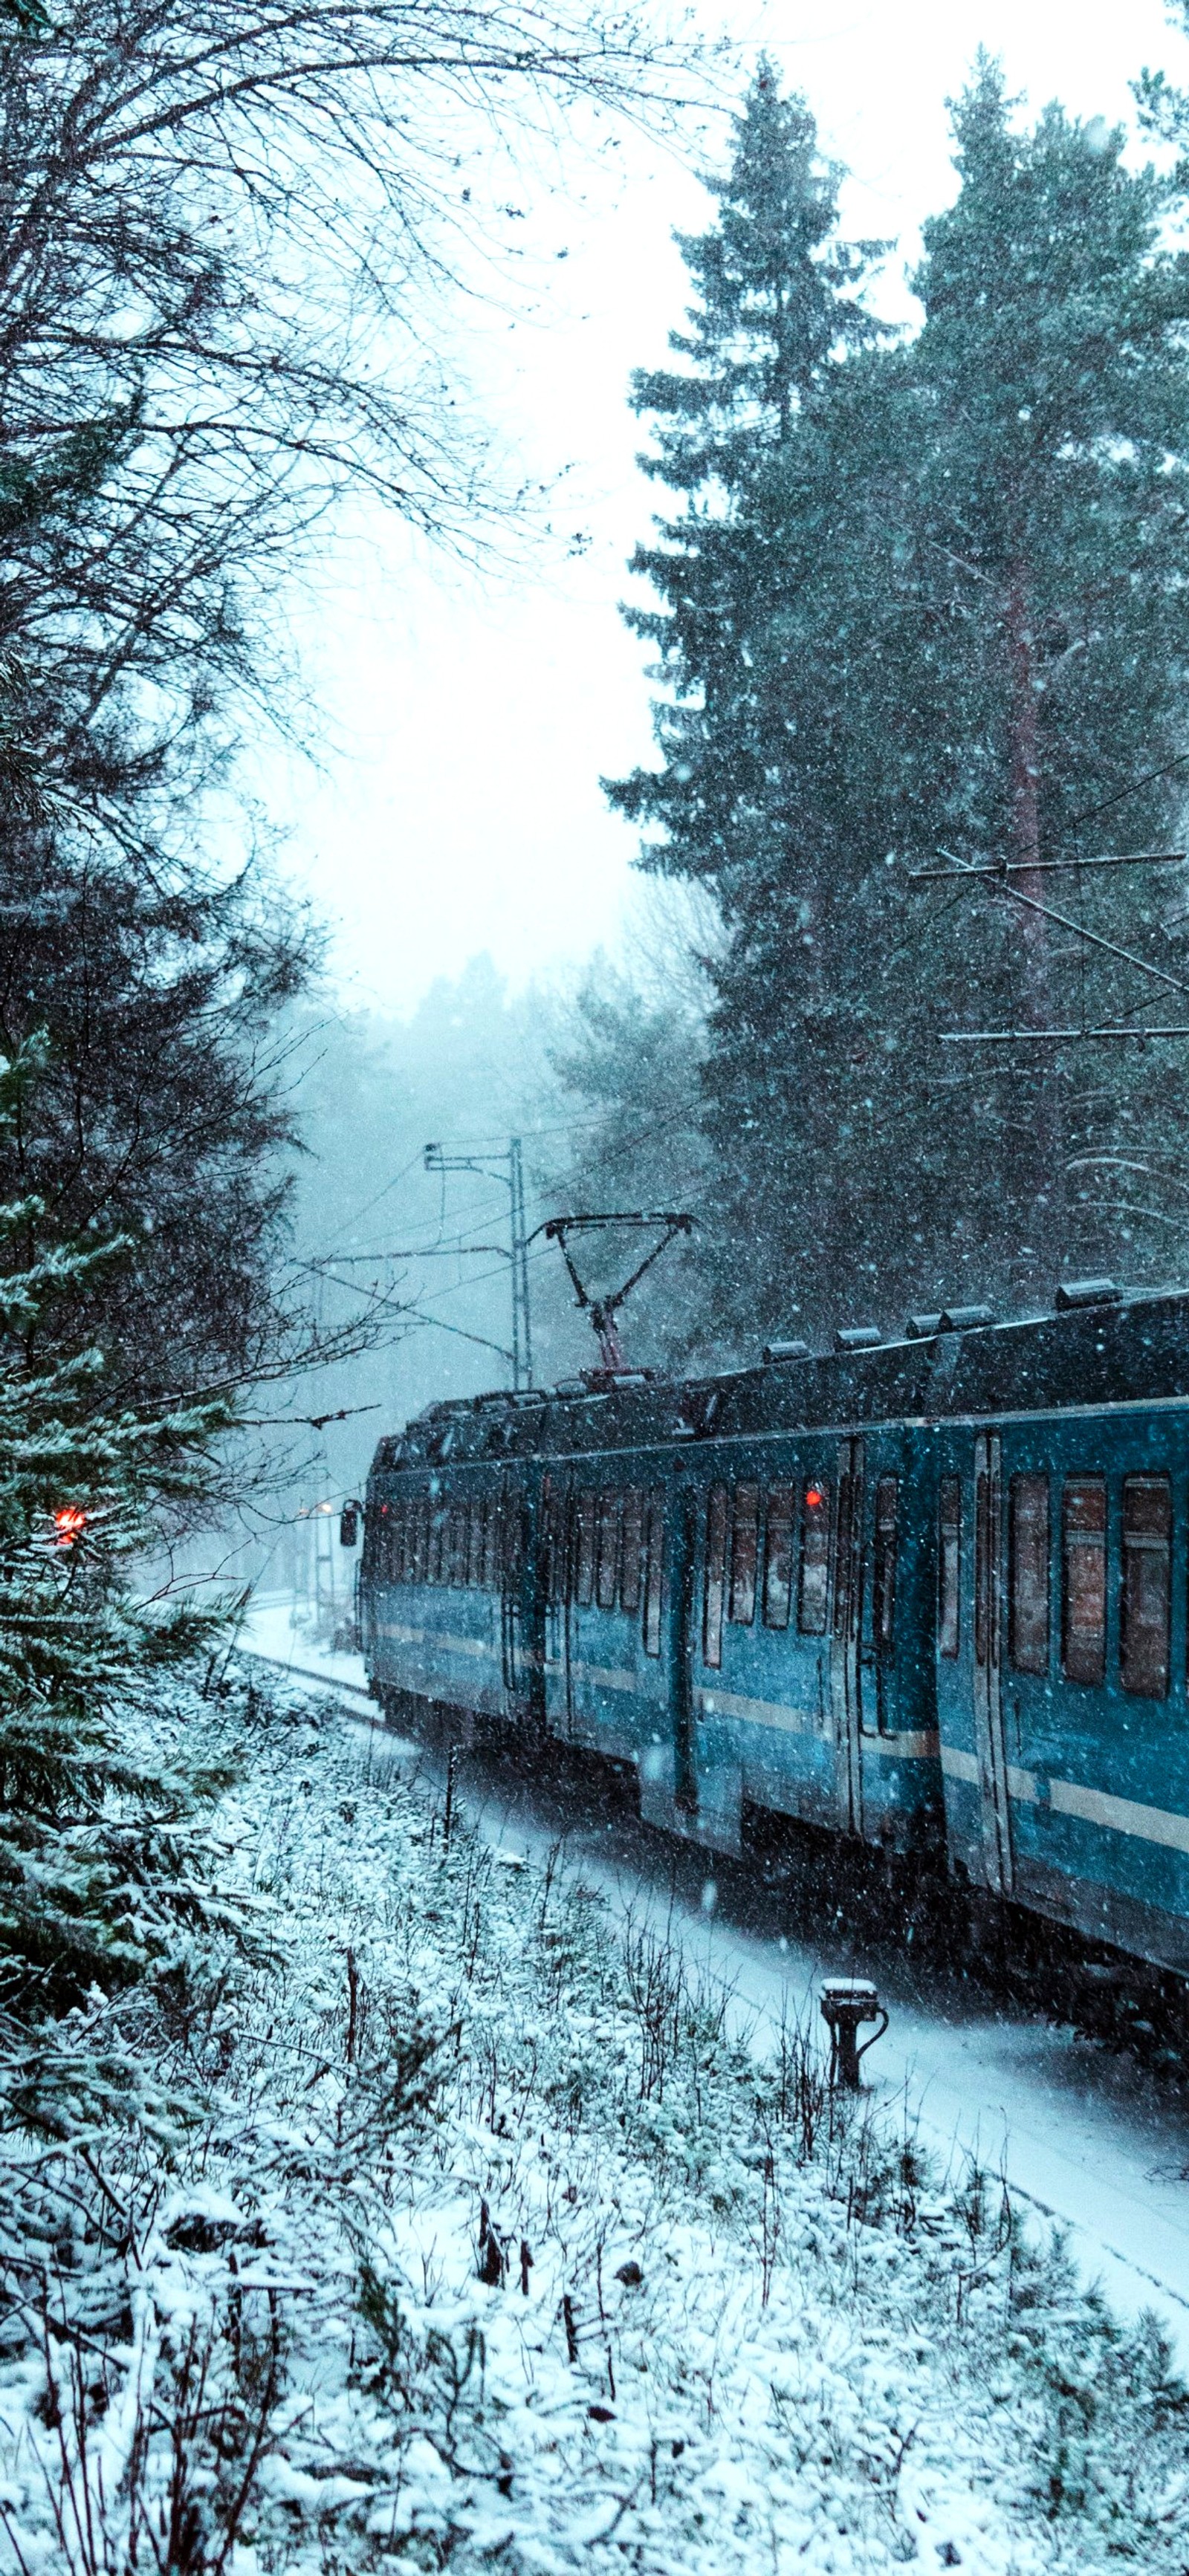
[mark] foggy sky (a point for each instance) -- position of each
(459, 807)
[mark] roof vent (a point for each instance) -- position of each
(785, 1351)
(1086, 1292)
(963, 1319)
(858, 1337)
(921, 1328)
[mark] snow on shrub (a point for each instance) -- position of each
(476, 2233)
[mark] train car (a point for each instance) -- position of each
(930, 1593)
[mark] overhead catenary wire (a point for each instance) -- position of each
(454, 1243)
(1053, 1037)
(1002, 868)
(997, 879)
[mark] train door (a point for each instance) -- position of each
(846, 1682)
(569, 1542)
(682, 1619)
(522, 1626)
(556, 1605)
(990, 1748)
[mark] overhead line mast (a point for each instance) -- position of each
(437, 1160)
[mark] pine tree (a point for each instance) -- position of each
(1051, 558)
(100, 1873)
(941, 607)
(777, 306)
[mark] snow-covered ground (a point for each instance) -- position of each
(1082, 2135)
(463, 2226)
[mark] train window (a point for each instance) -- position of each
(491, 1544)
(716, 1567)
(883, 1585)
(845, 1568)
(607, 1573)
(745, 1548)
(633, 1539)
(514, 1539)
(1146, 1598)
(459, 1542)
(393, 1542)
(1028, 1574)
(654, 1579)
(778, 1557)
(949, 1565)
(474, 1565)
(1083, 1591)
(584, 1567)
(552, 1538)
(813, 1592)
(560, 1545)
(437, 1541)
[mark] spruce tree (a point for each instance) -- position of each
(950, 594)
(776, 308)
(749, 576)
(1051, 555)
(101, 1876)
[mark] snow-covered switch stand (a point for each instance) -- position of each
(846, 2003)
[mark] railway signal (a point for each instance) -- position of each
(848, 2002)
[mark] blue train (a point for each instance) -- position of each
(929, 1592)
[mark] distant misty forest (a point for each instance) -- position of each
(601, 1085)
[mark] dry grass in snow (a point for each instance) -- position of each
(457, 2226)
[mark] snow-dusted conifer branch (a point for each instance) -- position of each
(102, 1868)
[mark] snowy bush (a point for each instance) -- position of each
(472, 2228)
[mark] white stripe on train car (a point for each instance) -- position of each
(1120, 1815)
(1070, 1798)
(762, 1712)
(610, 1676)
(958, 1765)
(401, 1636)
(914, 1744)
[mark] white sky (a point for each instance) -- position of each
(458, 807)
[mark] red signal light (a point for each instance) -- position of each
(814, 1498)
(69, 1523)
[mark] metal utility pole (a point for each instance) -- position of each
(508, 1168)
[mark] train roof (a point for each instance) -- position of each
(1101, 1346)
